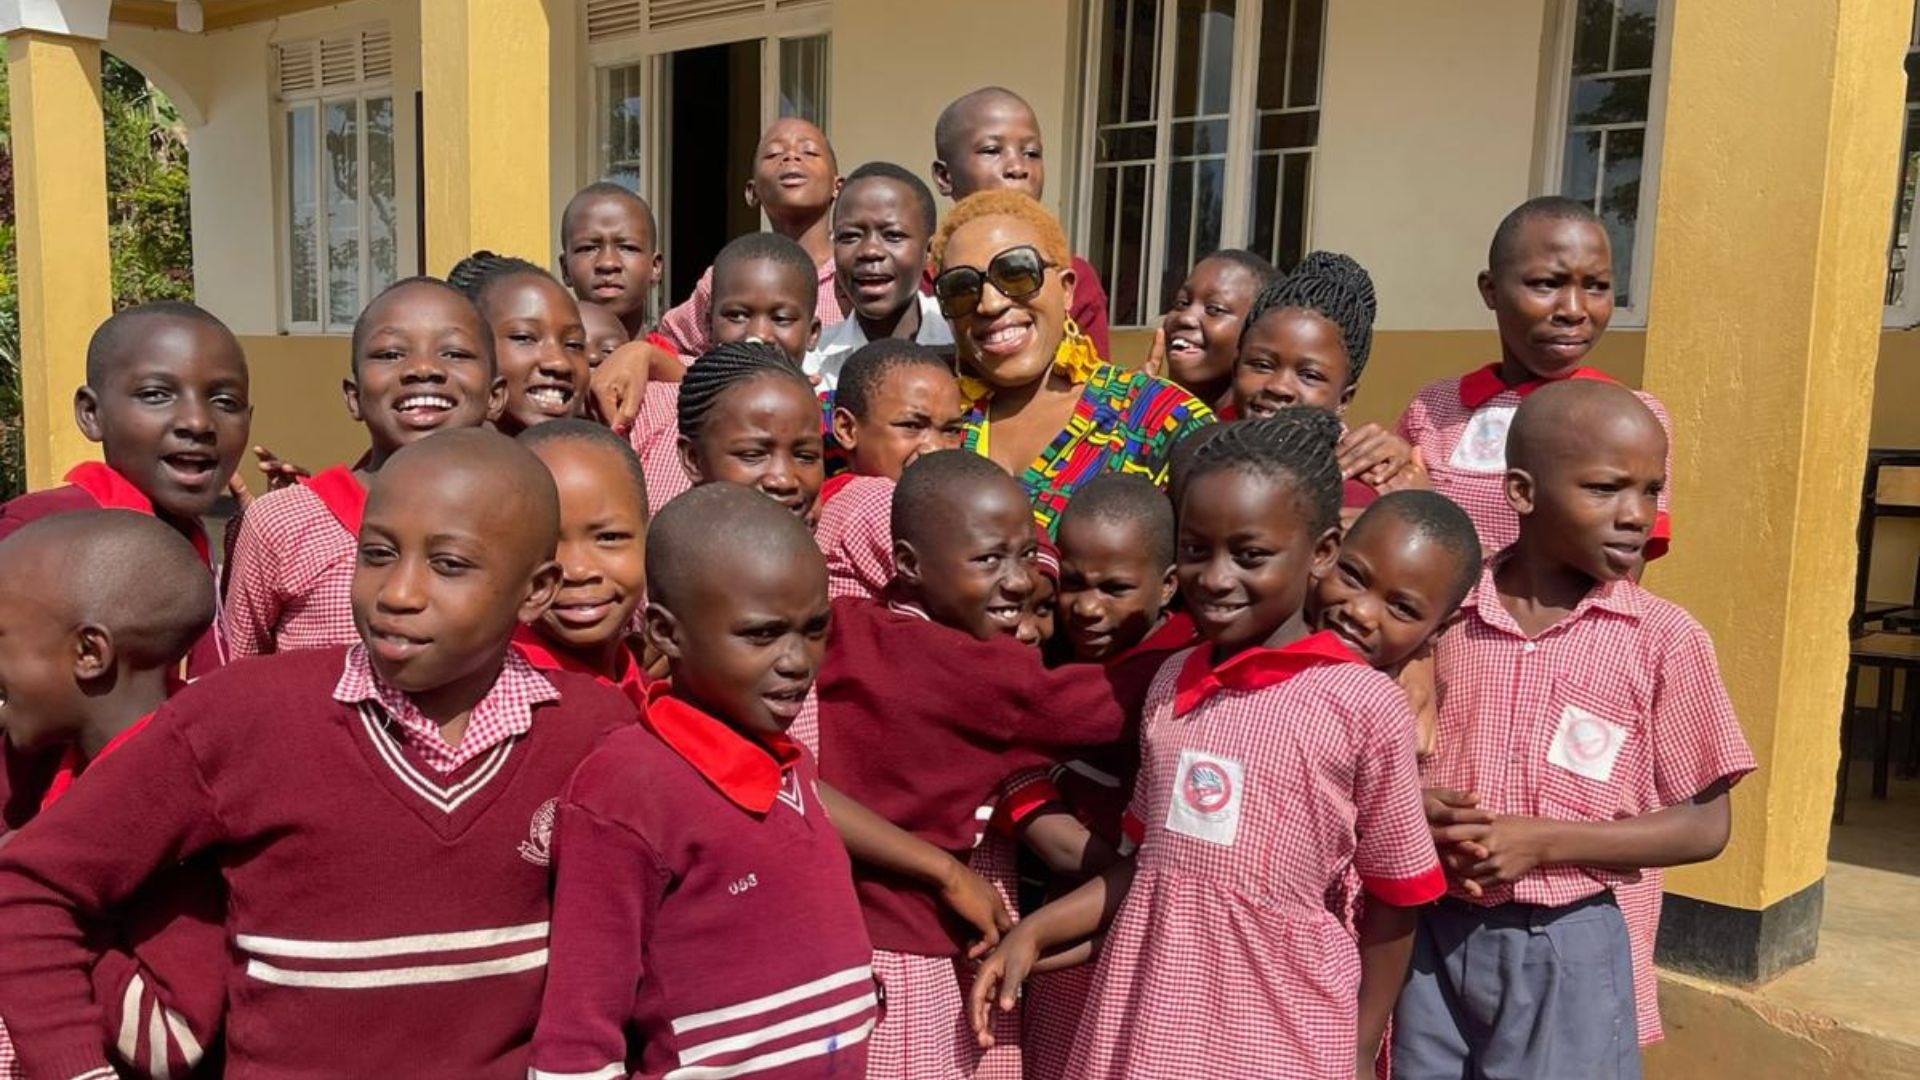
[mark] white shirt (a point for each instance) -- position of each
(838, 341)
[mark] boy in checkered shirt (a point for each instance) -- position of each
(422, 362)
(1584, 735)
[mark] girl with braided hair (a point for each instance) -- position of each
(748, 415)
(1306, 342)
(1274, 763)
(538, 337)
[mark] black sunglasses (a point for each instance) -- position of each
(1016, 272)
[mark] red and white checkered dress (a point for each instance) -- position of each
(1460, 427)
(656, 438)
(505, 712)
(855, 533)
(1262, 781)
(290, 583)
(1616, 711)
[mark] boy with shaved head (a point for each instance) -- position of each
(382, 812)
(795, 180)
(990, 139)
(1584, 735)
(97, 608)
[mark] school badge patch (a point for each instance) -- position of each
(538, 846)
(1207, 791)
(1483, 445)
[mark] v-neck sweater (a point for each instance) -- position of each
(387, 920)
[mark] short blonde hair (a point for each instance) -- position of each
(1017, 205)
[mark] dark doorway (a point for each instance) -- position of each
(713, 124)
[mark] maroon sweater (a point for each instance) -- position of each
(94, 486)
(387, 920)
(702, 908)
(921, 723)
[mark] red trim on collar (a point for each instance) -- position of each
(1483, 385)
(71, 766)
(342, 495)
(835, 485)
(115, 492)
(1661, 538)
(749, 772)
(1176, 633)
(1255, 669)
(633, 681)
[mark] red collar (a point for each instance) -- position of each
(633, 679)
(1481, 386)
(1176, 633)
(750, 772)
(835, 485)
(1255, 669)
(71, 766)
(341, 493)
(115, 492)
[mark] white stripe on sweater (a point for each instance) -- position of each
(445, 799)
(733, 1044)
(262, 945)
(129, 1042)
(381, 978)
(773, 1001)
(605, 1072)
(818, 1047)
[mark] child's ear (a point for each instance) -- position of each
(690, 459)
(659, 267)
(942, 179)
(813, 335)
(93, 653)
(560, 260)
(1520, 491)
(1326, 551)
(845, 430)
(1346, 399)
(350, 393)
(1485, 282)
(906, 564)
(753, 197)
(496, 398)
(541, 587)
(1169, 585)
(661, 630)
(86, 413)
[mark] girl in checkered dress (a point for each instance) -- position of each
(1274, 761)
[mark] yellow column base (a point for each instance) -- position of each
(486, 129)
(60, 203)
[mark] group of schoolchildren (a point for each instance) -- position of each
(586, 727)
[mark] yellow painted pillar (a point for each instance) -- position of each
(60, 205)
(486, 128)
(1777, 173)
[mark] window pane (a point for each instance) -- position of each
(1202, 57)
(1620, 204)
(803, 78)
(343, 211)
(383, 224)
(1194, 192)
(1633, 35)
(1119, 240)
(1128, 76)
(1593, 37)
(1581, 177)
(1618, 100)
(1132, 143)
(1607, 116)
(1901, 250)
(622, 128)
(1303, 88)
(1282, 188)
(303, 237)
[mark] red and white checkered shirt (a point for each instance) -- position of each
(1640, 908)
(656, 439)
(855, 533)
(688, 326)
(505, 711)
(1460, 428)
(290, 583)
(1615, 711)
(1262, 783)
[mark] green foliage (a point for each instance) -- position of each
(147, 225)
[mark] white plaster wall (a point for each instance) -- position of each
(1427, 138)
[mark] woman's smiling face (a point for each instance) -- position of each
(1008, 343)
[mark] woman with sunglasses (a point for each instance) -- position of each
(1042, 403)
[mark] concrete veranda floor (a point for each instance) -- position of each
(1854, 1011)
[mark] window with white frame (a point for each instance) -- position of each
(339, 226)
(1205, 116)
(1614, 72)
(1903, 300)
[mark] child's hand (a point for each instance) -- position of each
(279, 474)
(619, 384)
(1509, 848)
(1376, 457)
(1448, 809)
(999, 981)
(1156, 362)
(970, 897)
